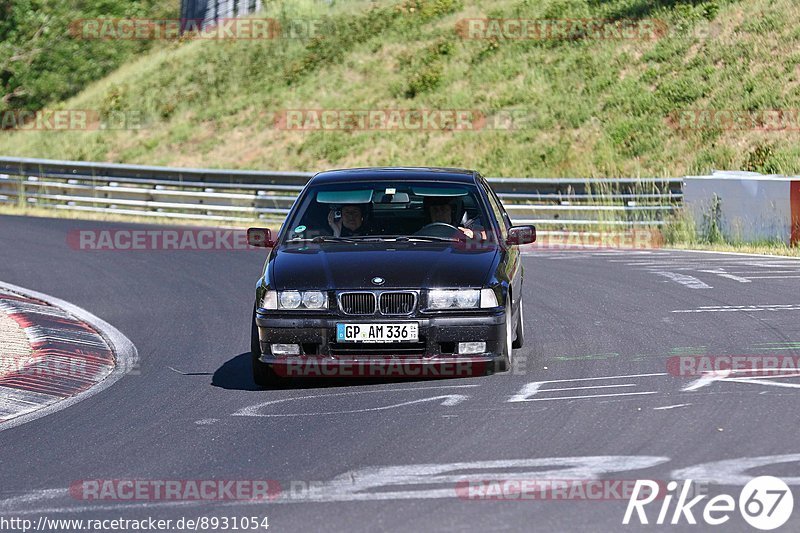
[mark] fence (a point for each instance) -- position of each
(244, 195)
(212, 10)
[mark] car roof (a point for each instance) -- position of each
(393, 173)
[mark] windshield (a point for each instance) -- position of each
(390, 211)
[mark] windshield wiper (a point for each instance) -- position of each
(428, 238)
(322, 238)
(376, 238)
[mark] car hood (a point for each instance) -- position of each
(404, 265)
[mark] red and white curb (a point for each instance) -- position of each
(70, 355)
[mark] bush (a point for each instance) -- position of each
(758, 158)
(42, 63)
(425, 79)
(680, 229)
(712, 223)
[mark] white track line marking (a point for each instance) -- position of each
(535, 387)
(666, 260)
(589, 396)
(706, 379)
(762, 382)
(690, 282)
(721, 273)
(745, 309)
(752, 272)
(768, 265)
(605, 377)
(588, 387)
(252, 410)
(790, 373)
(730, 376)
(370, 483)
(671, 406)
(745, 306)
(448, 400)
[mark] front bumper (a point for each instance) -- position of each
(434, 354)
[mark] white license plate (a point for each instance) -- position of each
(396, 332)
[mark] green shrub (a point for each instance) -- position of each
(712, 223)
(679, 229)
(425, 79)
(757, 159)
(42, 62)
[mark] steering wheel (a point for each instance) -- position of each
(438, 229)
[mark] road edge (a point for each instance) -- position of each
(125, 353)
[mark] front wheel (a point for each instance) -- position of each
(519, 339)
(263, 374)
(504, 364)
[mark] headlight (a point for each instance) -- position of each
(314, 299)
(299, 300)
(454, 299)
(441, 299)
(467, 299)
(290, 299)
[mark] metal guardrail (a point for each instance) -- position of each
(242, 195)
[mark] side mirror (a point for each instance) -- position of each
(261, 237)
(521, 235)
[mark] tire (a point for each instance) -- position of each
(519, 339)
(263, 374)
(504, 363)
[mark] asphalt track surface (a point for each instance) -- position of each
(604, 314)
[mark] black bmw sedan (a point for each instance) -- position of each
(389, 272)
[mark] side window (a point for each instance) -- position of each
(506, 218)
(499, 213)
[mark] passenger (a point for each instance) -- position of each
(443, 210)
(352, 222)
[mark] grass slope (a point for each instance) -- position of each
(593, 107)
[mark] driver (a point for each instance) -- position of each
(443, 210)
(351, 223)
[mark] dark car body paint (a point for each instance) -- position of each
(404, 265)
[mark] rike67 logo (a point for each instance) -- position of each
(765, 503)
